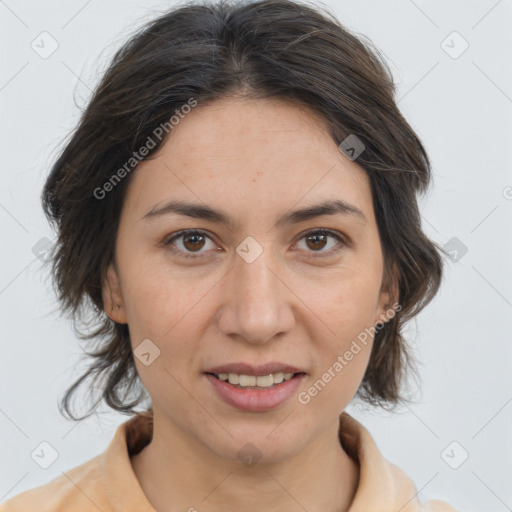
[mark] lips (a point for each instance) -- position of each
(258, 370)
(252, 399)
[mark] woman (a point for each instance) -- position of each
(238, 203)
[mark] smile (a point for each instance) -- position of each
(255, 393)
(254, 381)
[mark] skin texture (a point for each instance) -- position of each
(255, 160)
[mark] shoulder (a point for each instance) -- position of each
(382, 484)
(405, 488)
(101, 483)
(437, 506)
(78, 489)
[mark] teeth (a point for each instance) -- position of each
(262, 381)
(279, 377)
(243, 380)
(266, 381)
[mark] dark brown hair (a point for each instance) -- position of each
(208, 51)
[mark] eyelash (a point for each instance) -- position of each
(320, 254)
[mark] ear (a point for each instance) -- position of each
(388, 296)
(112, 296)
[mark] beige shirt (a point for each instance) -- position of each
(107, 483)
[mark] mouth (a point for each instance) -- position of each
(255, 389)
(244, 381)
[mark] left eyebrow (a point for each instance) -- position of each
(204, 212)
(333, 207)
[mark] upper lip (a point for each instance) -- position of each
(247, 369)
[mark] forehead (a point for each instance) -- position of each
(265, 130)
(254, 153)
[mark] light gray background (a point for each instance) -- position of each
(462, 110)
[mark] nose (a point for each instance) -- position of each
(257, 305)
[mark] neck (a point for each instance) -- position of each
(176, 471)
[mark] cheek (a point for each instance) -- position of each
(344, 314)
(345, 304)
(337, 383)
(343, 351)
(159, 297)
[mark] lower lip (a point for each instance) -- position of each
(256, 399)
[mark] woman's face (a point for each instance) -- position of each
(263, 285)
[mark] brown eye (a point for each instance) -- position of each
(193, 242)
(317, 241)
(188, 243)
